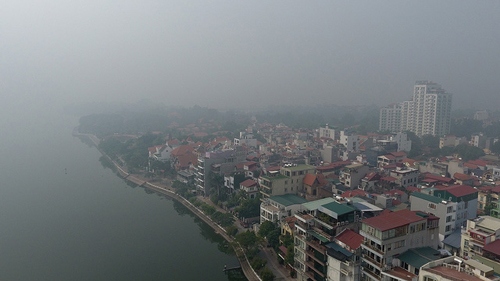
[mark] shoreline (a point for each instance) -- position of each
(247, 269)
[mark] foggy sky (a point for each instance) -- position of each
(247, 53)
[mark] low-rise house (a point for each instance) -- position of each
(463, 179)
(250, 187)
(276, 208)
(405, 176)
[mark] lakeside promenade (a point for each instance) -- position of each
(247, 269)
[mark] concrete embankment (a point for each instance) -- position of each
(249, 272)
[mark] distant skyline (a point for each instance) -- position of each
(223, 54)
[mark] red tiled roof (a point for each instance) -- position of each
(372, 176)
(389, 179)
(470, 166)
(462, 177)
(350, 238)
(478, 162)
(493, 247)
(392, 220)
(438, 178)
(395, 191)
(412, 188)
(248, 183)
(352, 193)
(399, 154)
(182, 150)
(459, 190)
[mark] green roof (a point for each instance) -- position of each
(427, 197)
(419, 256)
(314, 205)
(318, 236)
(335, 209)
(288, 199)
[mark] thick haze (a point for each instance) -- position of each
(247, 53)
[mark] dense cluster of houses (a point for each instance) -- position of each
(357, 207)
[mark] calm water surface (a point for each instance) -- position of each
(63, 216)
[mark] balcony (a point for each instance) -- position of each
(372, 261)
(316, 245)
(318, 271)
(375, 249)
(314, 256)
(370, 273)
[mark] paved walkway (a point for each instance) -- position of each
(268, 254)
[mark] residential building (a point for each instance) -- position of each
(349, 141)
(246, 139)
(390, 118)
(250, 187)
(453, 268)
(452, 141)
(216, 162)
(405, 176)
(287, 180)
(343, 256)
(315, 230)
(452, 218)
(351, 175)
(276, 208)
(478, 233)
(327, 132)
(390, 234)
(429, 113)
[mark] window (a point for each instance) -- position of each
(432, 206)
(449, 209)
(448, 218)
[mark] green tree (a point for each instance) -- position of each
(249, 208)
(289, 254)
(273, 238)
(468, 152)
(495, 148)
(247, 239)
(266, 228)
(267, 275)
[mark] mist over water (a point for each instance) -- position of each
(66, 217)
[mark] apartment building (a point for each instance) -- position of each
(390, 234)
(428, 113)
(216, 162)
(327, 132)
(452, 213)
(478, 233)
(315, 230)
(390, 118)
(288, 180)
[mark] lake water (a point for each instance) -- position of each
(63, 216)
